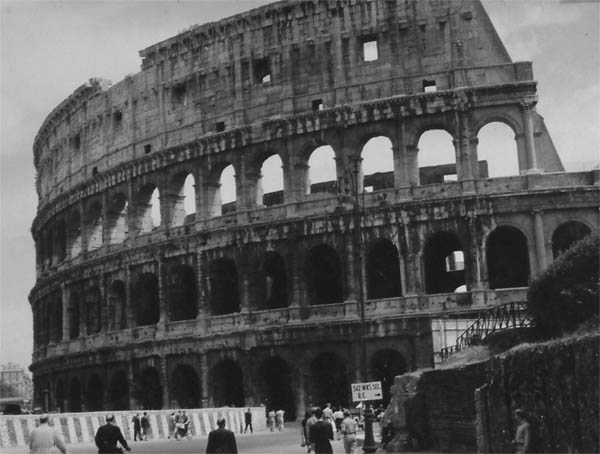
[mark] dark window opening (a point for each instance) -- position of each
(77, 142)
(567, 235)
(95, 171)
(224, 295)
(383, 271)
(442, 272)
(370, 51)
(117, 119)
(147, 148)
(317, 104)
(429, 86)
(178, 95)
(226, 384)
(262, 71)
(324, 275)
(275, 386)
(507, 258)
(220, 126)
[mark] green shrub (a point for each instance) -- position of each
(566, 293)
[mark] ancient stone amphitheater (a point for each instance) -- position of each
(156, 289)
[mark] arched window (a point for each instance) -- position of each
(182, 293)
(383, 270)
(437, 158)
(322, 173)
(274, 289)
(149, 389)
(74, 233)
(228, 190)
(329, 380)
(507, 258)
(93, 310)
(94, 396)
(189, 196)
(145, 300)
(377, 164)
(94, 225)
(117, 219)
(224, 294)
(117, 316)
(270, 187)
(497, 150)
(148, 209)
(117, 397)
(185, 387)
(155, 209)
(275, 386)
(566, 235)
(324, 275)
(227, 384)
(443, 274)
(183, 198)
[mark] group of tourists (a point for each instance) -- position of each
(319, 426)
(141, 427)
(275, 419)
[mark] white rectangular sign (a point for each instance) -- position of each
(366, 391)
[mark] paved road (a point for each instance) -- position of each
(285, 442)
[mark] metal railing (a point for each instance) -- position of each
(499, 318)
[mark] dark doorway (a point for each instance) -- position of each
(182, 293)
(507, 258)
(60, 397)
(57, 321)
(117, 314)
(387, 364)
(443, 272)
(276, 387)
(185, 387)
(74, 396)
(329, 381)
(226, 384)
(566, 235)
(118, 392)
(323, 275)
(74, 316)
(383, 270)
(145, 297)
(94, 396)
(149, 390)
(224, 294)
(275, 285)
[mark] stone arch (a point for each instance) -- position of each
(383, 270)
(387, 364)
(49, 244)
(507, 256)
(57, 320)
(93, 223)
(329, 380)
(93, 310)
(443, 272)
(377, 165)
(224, 293)
(183, 196)
(61, 240)
(185, 387)
(275, 383)
(94, 395)
(59, 396)
(74, 395)
(273, 289)
(145, 300)
(322, 173)
(226, 384)
(436, 156)
(117, 396)
(270, 189)
(117, 218)
(323, 275)
(567, 234)
(148, 208)
(182, 293)
(117, 306)
(149, 390)
(497, 146)
(74, 233)
(74, 315)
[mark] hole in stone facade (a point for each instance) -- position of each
(262, 71)
(370, 51)
(429, 86)
(317, 104)
(147, 148)
(220, 125)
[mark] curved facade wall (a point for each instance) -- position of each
(140, 298)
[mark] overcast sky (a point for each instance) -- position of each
(50, 48)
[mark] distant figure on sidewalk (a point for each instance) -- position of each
(279, 417)
(107, 437)
(137, 427)
(271, 420)
(303, 432)
(320, 434)
(172, 427)
(309, 423)
(348, 429)
(43, 438)
(248, 420)
(145, 426)
(522, 441)
(221, 440)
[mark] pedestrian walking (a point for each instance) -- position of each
(271, 420)
(108, 436)
(348, 429)
(279, 418)
(320, 434)
(248, 420)
(303, 432)
(43, 438)
(328, 416)
(221, 440)
(309, 423)
(183, 426)
(145, 423)
(338, 417)
(522, 441)
(137, 427)
(171, 423)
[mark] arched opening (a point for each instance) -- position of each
(94, 396)
(274, 289)
(276, 386)
(324, 275)
(270, 187)
(117, 397)
(189, 198)
(74, 233)
(117, 219)
(227, 190)
(185, 387)
(226, 384)
(149, 390)
(322, 172)
(49, 241)
(182, 293)
(148, 209)
(377, 164)
(61, 240)
(74, 316)
(57, 321)
(437, 158)
(566, 235)
(145, 300)
(383, 270)
(387, 364)
(59, 397)
(94, 224)
(93, 310)
(74, 396)
(442, 273)
(224, 294)
(497, 151)
(329, 381)
(183, 196)
(507, 258)
(117, 314)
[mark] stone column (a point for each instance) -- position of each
(473, 144)
(164, 377)
(540, 243)
(105, 223)
(411, 164)
(351, 261)
(131, 212)
(84, 230)
(162, 290)
(65, 312)
(132, 385)
(300, 181)
(212, 196)
(527, 107)
(129, 309)
(204, 379)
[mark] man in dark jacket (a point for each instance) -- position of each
(107, 437)
(221, 440)
(320, 434)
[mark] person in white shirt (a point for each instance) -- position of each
(43, 438)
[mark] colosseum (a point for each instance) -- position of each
(157, 288)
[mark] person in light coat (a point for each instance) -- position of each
(43, 438)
